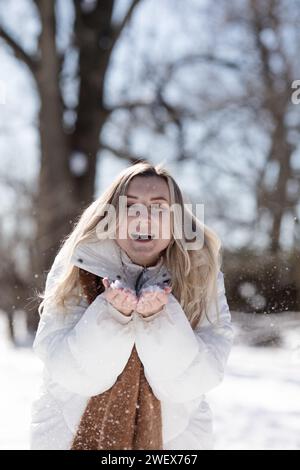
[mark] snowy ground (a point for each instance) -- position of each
(257, 406)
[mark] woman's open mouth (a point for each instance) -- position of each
(142, 238)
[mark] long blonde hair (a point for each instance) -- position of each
(194, 272)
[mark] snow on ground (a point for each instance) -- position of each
(257, 406)
(20, 373)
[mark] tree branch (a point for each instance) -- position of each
(19, 51)
(123, 155)
(129, 106)
(170, 70)
(118, 29)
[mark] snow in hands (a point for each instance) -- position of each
(120, 285)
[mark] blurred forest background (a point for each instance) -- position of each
(89, 87)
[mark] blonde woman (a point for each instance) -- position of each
(134, 324)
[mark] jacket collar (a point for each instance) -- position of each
(106, 258)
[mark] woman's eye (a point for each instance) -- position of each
(136, 209)
(162, 206)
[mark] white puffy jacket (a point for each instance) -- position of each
(84, 352)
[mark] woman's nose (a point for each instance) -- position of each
(144, 226)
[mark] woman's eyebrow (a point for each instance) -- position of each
(152, 199)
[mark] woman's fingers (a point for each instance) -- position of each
(163, 297)
(124, 299)
(118, 298)
(128, 301)
(105, 282)
(111, 294)
(151, 301)
(125, 302)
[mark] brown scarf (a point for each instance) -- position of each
(127, 416)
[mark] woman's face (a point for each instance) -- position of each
(150, 215)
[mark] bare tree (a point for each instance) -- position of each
(188, 92)
(63, 193)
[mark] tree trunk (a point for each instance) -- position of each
(63, 191)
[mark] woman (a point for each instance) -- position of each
(135, 327)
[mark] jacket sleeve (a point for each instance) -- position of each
(87, 348)
(180, 363)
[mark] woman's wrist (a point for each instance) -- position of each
(118, 315)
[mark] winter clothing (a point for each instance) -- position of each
(126, 416)
(85, 351)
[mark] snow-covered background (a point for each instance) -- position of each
(257, 406)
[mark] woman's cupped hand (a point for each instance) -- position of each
(125, 300)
